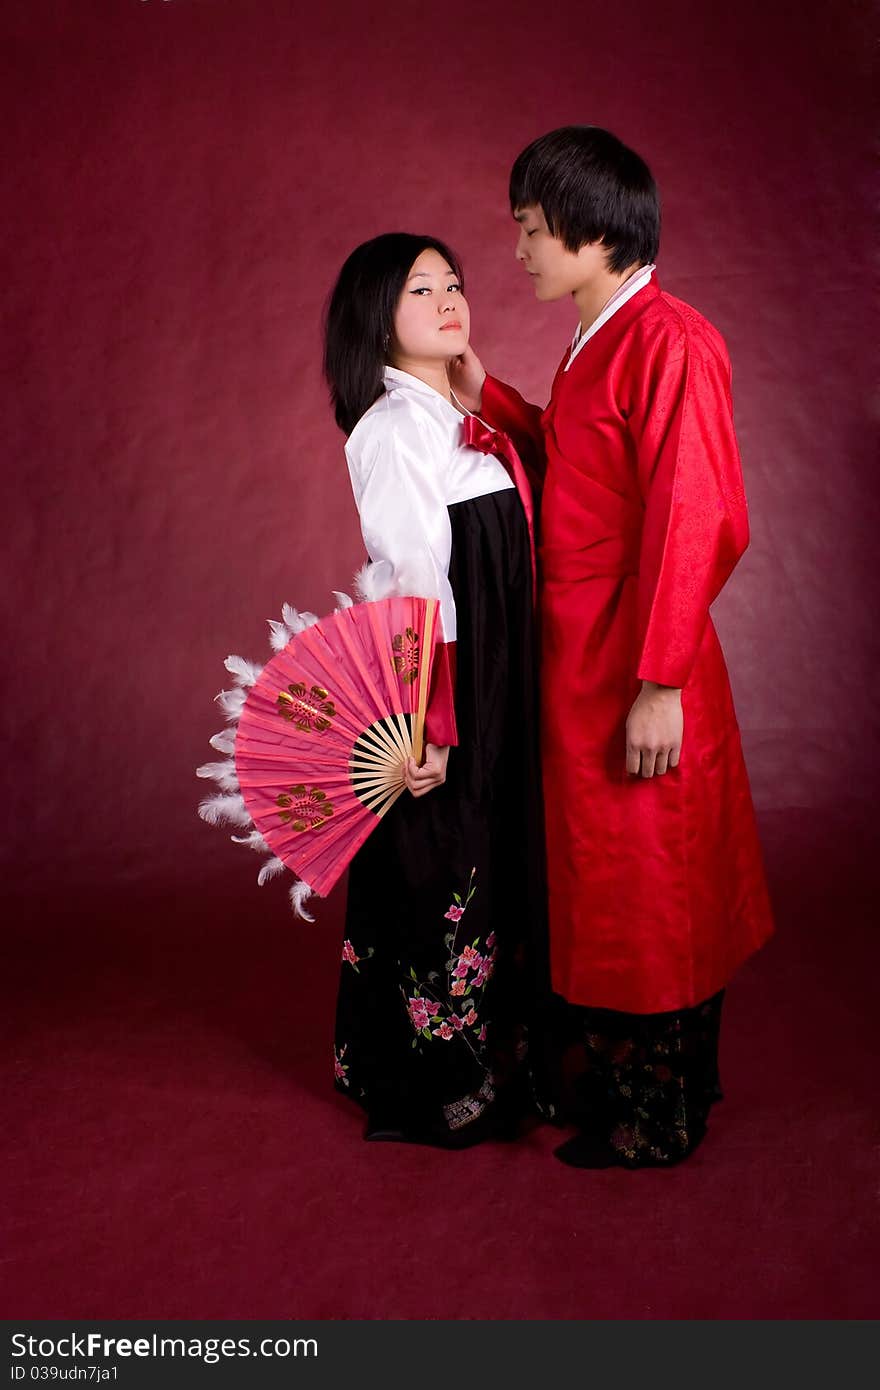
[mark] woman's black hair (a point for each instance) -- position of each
(590, 188)
(359, 323)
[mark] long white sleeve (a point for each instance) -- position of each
(398, 463)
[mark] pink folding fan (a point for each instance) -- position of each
(322, 735)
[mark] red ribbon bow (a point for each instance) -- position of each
(481, 436)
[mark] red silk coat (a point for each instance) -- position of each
(657, 889)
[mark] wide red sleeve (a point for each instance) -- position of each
(440, 726)
(696, 522)
(503, 408)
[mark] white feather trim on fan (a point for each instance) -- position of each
(270, 869)
(378, 580)
(279, 635)
(342, 600)
(293, 621)
(224, 742)
(299, 894)
(253, 841)
(244, 673)
(232, 703)
(222, 773)
(374, 581)
(225, 807)
(297, 621)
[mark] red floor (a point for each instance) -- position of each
(173, 1148)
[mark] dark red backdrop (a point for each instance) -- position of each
(182, 179)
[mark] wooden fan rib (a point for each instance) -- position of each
(405, 734)
(381, 805)
(400, 744)
(359, 776)
(364, 784)
(424, 681)
(379, 735)
(378, 757)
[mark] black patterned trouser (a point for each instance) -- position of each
(650, 1080)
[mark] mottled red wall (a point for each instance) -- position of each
(182, 179)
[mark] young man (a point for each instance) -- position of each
(657, 890)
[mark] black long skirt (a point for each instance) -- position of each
(444, 961)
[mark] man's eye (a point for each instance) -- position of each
(532, 232)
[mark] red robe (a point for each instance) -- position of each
(657, 889)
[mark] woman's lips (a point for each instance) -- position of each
(446, 327)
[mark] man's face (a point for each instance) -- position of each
(553, 269)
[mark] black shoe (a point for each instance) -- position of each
(378, 1133)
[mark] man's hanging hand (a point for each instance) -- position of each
(654, 730)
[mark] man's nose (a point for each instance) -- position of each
(519, 250)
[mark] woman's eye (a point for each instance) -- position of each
(422, 289)
(453, 289)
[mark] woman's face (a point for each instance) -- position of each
(432, 320)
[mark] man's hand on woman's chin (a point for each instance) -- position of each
(466, 377)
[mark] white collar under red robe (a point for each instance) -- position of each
(621, 295)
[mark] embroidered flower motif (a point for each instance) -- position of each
(308, 710)
(339, 1069)
(405, 646)
(467, 970)
(351, 957)
(304, 808)
(418, 1013)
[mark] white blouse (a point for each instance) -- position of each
(408, 464)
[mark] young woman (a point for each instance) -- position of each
(444, 959)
